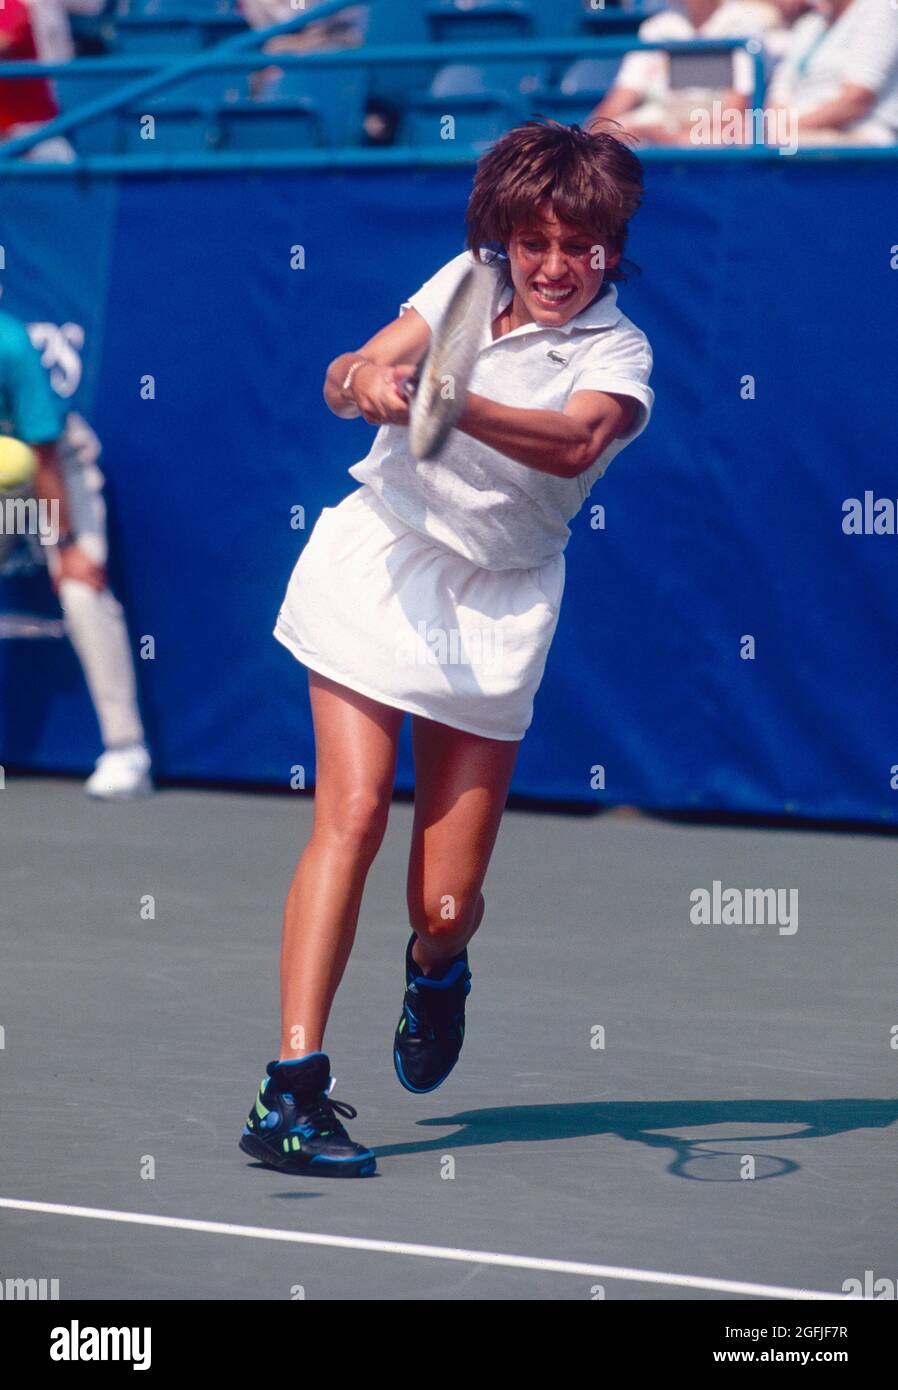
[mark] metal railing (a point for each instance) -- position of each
(232, 55)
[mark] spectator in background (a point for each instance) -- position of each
(345, 29)
(643, 100)
(51, 28)
(37, 29)
(26, 103)
(838, 79)
(776, 41)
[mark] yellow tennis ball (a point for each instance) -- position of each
(18, 462)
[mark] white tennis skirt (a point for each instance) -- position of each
(393, 615)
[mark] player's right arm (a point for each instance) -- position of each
(388, 359)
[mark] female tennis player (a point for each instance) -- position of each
(434, 589)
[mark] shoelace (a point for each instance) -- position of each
(323, 1112)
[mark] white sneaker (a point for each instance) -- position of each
(121, 773)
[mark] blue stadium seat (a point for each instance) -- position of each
(219, 27)
(209, 88)
(559, 19)
(460, 21)
(94, 31)
(617, 19)
(104, 135)
(398, 22)
(201, 95)
(178, 129)
(581, 87)
(157, 35)
(157, 9)
(267, 125)
(73, 89)
(516, 81)
(336, 95)
(589, 75)
(175, 26)
(484, 100)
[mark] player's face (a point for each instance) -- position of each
(557, 269)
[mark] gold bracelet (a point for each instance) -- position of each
(347, 384)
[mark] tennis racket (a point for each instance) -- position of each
(438, 389)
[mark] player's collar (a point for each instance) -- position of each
(601, 313)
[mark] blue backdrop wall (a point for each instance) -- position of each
(724, 521)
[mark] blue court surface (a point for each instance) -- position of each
(646, 1107)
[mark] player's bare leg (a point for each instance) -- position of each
(461, 787)
(355, 764)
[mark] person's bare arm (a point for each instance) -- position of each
(615, 104)
(562, 443)
(732, 105)
(50, 488)
(389, 358)
(48, 483)
(851, 104)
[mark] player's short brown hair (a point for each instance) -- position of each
(589, 178)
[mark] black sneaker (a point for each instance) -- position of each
(293, 1125)
(432, 1027)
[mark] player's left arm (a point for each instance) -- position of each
(561, 442)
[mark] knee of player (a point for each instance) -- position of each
(439, 916)
(354, 821)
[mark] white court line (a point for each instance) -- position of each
(428, 1252)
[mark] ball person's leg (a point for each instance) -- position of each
(95, 621)
(355, 766)
(461, 786)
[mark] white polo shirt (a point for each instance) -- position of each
(860, 48)
(474, 500)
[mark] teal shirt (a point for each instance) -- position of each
(30, 410)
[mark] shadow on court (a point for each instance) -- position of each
(641, 1123)
(613, 1046)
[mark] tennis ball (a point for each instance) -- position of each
(18, 462)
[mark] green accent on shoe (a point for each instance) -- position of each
(296, 1145)
(402, 1025)
(260, 1109)
(286, 1146)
